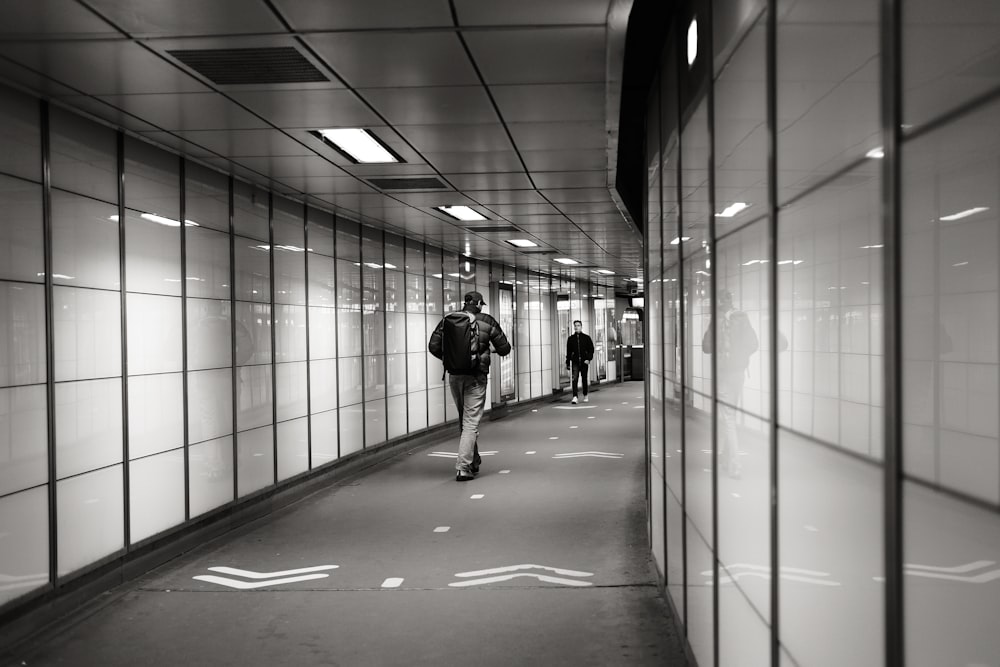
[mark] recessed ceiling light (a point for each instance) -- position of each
(964, 214)
(876, 153)
(565, 260)
(160, 220)
(461, 213)
(678, 239)
(359, 145)
(732, 209)
(522, 243)
(605, 272)
(692, 42)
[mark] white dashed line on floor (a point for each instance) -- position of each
(574, 426)
(392, 582)
(554, 437)
(442, 529)
(531, 452)
(477, 496)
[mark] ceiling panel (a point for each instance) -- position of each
(180, 145)
(472, 162)
(493, 197)
(600, 207)
(298, 166)
(570, 179)
(432, 105)
(52, 19)
(388, 59)
(236, 143)
(559, 136)
(371, 14)
(106, 112)
(543, 55)
(550, 102)
(540, 208)
(437, 199)
(565, 195)
(305, 108)
(531, 12)
(456, 138)
(564, 160)
(187, 111)
(489, 181)
(103, 68)
(189, 17)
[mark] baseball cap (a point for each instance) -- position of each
(475, 297)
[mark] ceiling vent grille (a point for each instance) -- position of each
(493, 229)
(427, 183)
(230, 67)
(537, 251)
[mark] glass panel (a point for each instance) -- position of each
(349, 383)
(373, 332)
(395, 374)
(949, 56)
(24, 554)
(22, 334)
(322, 281)
(91, 511)
(832, 593)
(152, 180)
(152, 256)
(23, 439)
(324, 438)
(209, 334)
(21, 245)
(322, 333)
(830, 289)
(253, 333)
(84, 242)
(255, 462)
(207, 264)
(289, 274)
(20, 134)
(88, 426)
(211, 472)
(253, 271)
(348, 285)
(349, 333)
(414, 257)
(951, 286)
(84, 156)
(828, 91)
(374, 376)
(206, 200)
(323, 385)
(348, 240)
(700, 626)
(396, 416)
(744, 639)
(416, 371)
(154, 334)
(417, 410)
(435, 406)
(950, 551)
(293, 448)
(155, 414)
(395, 291)
(87, 333)
(292, 390)
(250, 211)
(210, 404)
(374, 422)
(373, 292)
(254, 395)
(290, 333)
(156, 494)
(321, 232)
(695, 154)
(351, 429)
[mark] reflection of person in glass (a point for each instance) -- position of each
(733, 345)
(579, 353)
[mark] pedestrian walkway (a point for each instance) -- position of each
(541, 560)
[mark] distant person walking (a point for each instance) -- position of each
(734, 342)
(462, 341)
(579, 353)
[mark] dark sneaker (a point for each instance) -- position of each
(463, 477)
(475, 470)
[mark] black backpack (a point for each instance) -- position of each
(460, 343)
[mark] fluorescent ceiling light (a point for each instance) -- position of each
(796, 262)
(565, 260)
(677, 240)
(964, 214)
(390, 266)
(876, 153)
(605, 272)
(361, 145)
(160, 220)
(732, 209)
(461, 213)
(522, 243)
(869, 247)
(692, 50)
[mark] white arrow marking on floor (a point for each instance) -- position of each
(508, 577)
(502, 576)
(597, 455)
(573, 407)
(442, 529)
(525, 566)
(392, 582)
(477, 496)
(452, 455)
(246, 585)
(250, 574)
(504, 472)
(934, 572)
(742, 570)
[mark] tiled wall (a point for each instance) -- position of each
(828, 425)
(258, 340)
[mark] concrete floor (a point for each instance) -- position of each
(549, 567)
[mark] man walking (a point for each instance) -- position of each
(579, 353)
(462, 341)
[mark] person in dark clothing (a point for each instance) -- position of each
(469, 391)
(579, 353)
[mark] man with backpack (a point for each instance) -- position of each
(579, 354)
(734, 344)
(462, 341)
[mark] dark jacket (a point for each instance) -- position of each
(489, 332)
(579, 348)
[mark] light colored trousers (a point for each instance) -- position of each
(469, 392)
